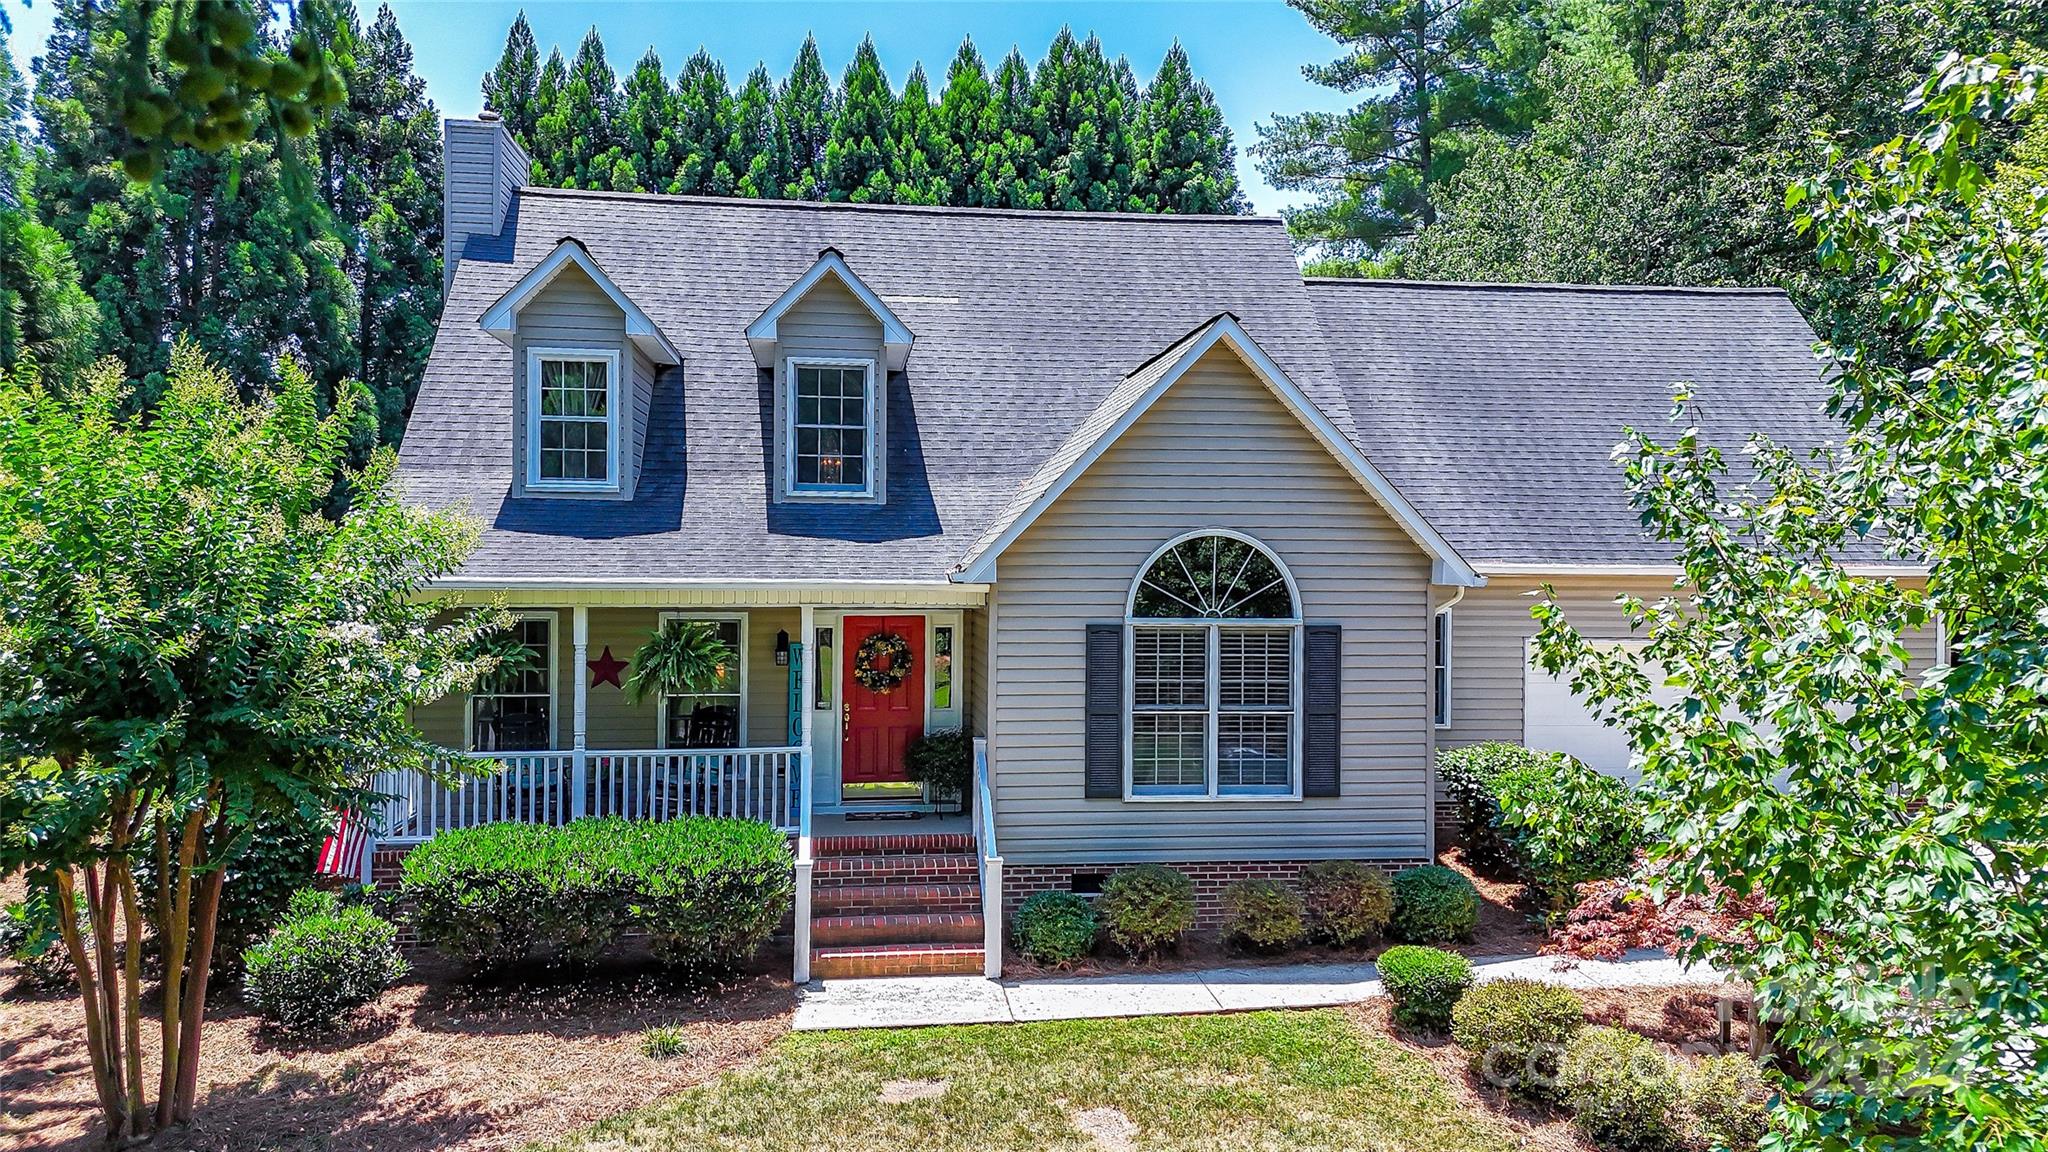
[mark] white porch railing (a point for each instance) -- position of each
(763, 784)
(991, 865)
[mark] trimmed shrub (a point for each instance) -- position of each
(322, 963)
(1621, 1090)
(1425, 985)
(1727, 1104)
(1055, 927)
(1514, 1031)
(1263, 915)
(1468, 774)
(1146, 908)
(1433, 904)
(1565, 825)
(707, 891)
(944, 761)
(1347, 902)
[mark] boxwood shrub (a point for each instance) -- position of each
(321, 963)
(1263, 915)
(1468, 774)
(1434, 904)
(1146, 908)
(706, 891)
(1566, 824)
(1055, 927)
(1622, 1091)
(1425, 985)
(1347, 902)
(1514, 1031)
(1727, 1103)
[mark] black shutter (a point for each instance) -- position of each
(1321, 690)
(1105, 692)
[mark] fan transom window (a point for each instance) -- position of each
(1215, 676)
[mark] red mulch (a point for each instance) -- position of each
(436, 1063)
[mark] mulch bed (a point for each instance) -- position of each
(436, 1063)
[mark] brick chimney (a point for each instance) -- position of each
(482, 167)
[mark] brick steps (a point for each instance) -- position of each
(919, 868)
(880, 899)
(897, 928)
(893, 844)
(896, 960)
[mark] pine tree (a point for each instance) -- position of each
(804, 114)
(509, 88)
(1083, 158)
(1184, 160)
(44, 314)
(703, 128)
(1010, 157)
(579, 127)
(916, 146)
(755, 147)
(547, 143)
(966, 128)
(647, 128)
(857, 157)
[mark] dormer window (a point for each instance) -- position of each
(572, 407)
(831, 435)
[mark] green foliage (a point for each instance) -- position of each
(858, 153)
(706, 891)
(1468, 776)
(1727, 1104)
(684, 656)
(274, 861)
(509, 89)
(1621, 1090)
(1147, 908)
(1889, 815)
(322, 963)
(1347, 902)
(1425, 985)
(664, 1042)
(44, 315)
(1183, 158)
(1564, 825)
(1056, 928)
(944, 761)
(1433, 904)
(29, 937)
(1514, 1031)
(1263, 915)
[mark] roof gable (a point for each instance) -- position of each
(763, 336)
(1138, 392)
(501, 319)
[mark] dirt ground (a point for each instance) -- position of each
(436, 1063)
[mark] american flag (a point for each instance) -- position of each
(342, 854)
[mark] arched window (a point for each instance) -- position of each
(1214, 693)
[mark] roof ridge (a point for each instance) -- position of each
(913, 209)
(1549, 286)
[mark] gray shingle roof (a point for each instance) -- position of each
(1492, 409)
(1495, 408)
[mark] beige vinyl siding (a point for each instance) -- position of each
(485, 169)
(641, 408)
(1220, 451)
(573, 312)
(829, 322)
(972, 647)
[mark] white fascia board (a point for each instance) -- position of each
(762, 334)
(502, 318)
(1669, 570)
(1447, 566)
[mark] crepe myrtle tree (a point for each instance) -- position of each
(1890, 815)
(187, 646)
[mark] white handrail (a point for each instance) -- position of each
(991, 864)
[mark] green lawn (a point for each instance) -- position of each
(1266, 1080)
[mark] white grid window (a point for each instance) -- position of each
(833, 428)
(714, 717)
(1214, 638)
(1440, 668)
(575, 420)
(511, 711)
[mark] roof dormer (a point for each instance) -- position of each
(765, 333)
(502, 319)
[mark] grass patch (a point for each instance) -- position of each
(1271, 1080)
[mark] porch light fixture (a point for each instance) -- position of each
(782, 648)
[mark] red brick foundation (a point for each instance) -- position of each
(1211, 877)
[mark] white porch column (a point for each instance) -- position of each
(580, 720)
(807, 774)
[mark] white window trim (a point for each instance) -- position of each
(867, 489)
(554, 620)
(661, 706)
(609, 356)
(1441, 706)
(1214, 686)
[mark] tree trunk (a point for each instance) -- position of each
(205, 919)
(105, 1079)
(177, 932)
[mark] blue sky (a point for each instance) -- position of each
(1250, 52)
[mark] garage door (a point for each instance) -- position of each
(1556, 721)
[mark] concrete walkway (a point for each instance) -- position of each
(903, 1002)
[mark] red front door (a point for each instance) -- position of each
(877, 727)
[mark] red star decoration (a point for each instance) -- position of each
(606, 668)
